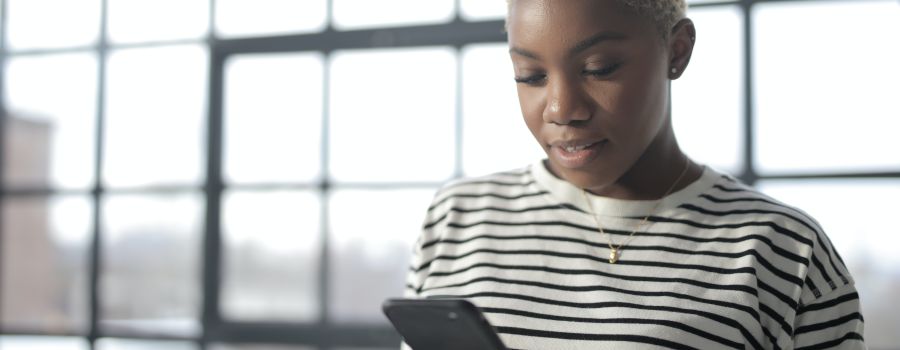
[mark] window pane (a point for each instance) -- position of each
(393, 122)
(707, 1)
(236, 18)
(273, 118)
(355, 14)
(707, 101)
(257, 347)
(155, 108)
(495, 137)
(129, 344)
(44, 266)
(271, 264)
(826, 94)
(151, 264)
(18, 342)
(474, 10)
(372, 236)
(132, 21)
(50, 131)
(41, 24)
(853, 213)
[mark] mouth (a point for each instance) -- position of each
(576, 154)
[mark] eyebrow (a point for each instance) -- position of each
(577, 48)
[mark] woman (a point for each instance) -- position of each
(618, 240)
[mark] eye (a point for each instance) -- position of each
(532, 80)
(602, 72)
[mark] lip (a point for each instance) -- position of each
(579, 158)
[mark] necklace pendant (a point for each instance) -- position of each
(613, 255)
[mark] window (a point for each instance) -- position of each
(51, 141)
(71, 23)
(371, 239)
(373, 110)
(273, 118)
(18, 342)
(844, 121)
(241, 175)
(246, 18)
(271, 256)
(708, 99)
(357, 14)
(490, 103)
(45, 250)
(136, 21)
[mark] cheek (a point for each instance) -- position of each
(635, 106)
(532, 110)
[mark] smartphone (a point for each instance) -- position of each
(441, 324)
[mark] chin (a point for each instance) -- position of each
(593, 177)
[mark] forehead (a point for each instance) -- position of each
(568, 21)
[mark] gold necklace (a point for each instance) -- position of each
(616, 251)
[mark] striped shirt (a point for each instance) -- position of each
(718, 265)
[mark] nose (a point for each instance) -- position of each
(567, 102)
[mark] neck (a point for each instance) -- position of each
(655, 172)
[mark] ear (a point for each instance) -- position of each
(681, 46)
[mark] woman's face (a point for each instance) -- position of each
(592, 80)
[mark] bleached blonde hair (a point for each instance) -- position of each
(663, 13)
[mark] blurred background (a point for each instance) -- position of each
(252, 174)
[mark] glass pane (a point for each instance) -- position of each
(241, 18)
(131, 21)
(273, 118)
(271, 264)
(372, 236)
(707, 101)
(355, 14)
(853, 214)
(826, 94)
(495, 137)
(19, 342)
(150, 281)
(257, 347)
(707, 1)
(393, 122)
(474, 10)
(129, 344)
(50, 130)
(44, 267)
(155, 109)
(42, 24)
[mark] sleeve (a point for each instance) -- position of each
(829, 315)
(414, 278)
(833, 321)
(424, 251)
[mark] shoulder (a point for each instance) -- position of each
(731, 199)
(790, 228)
(506, 185)
(481, 198)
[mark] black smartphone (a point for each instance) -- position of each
(441, 324)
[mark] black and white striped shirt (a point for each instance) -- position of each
(719, 265)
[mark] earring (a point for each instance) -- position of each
(674, 70)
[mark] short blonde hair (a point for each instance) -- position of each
(663, 13)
